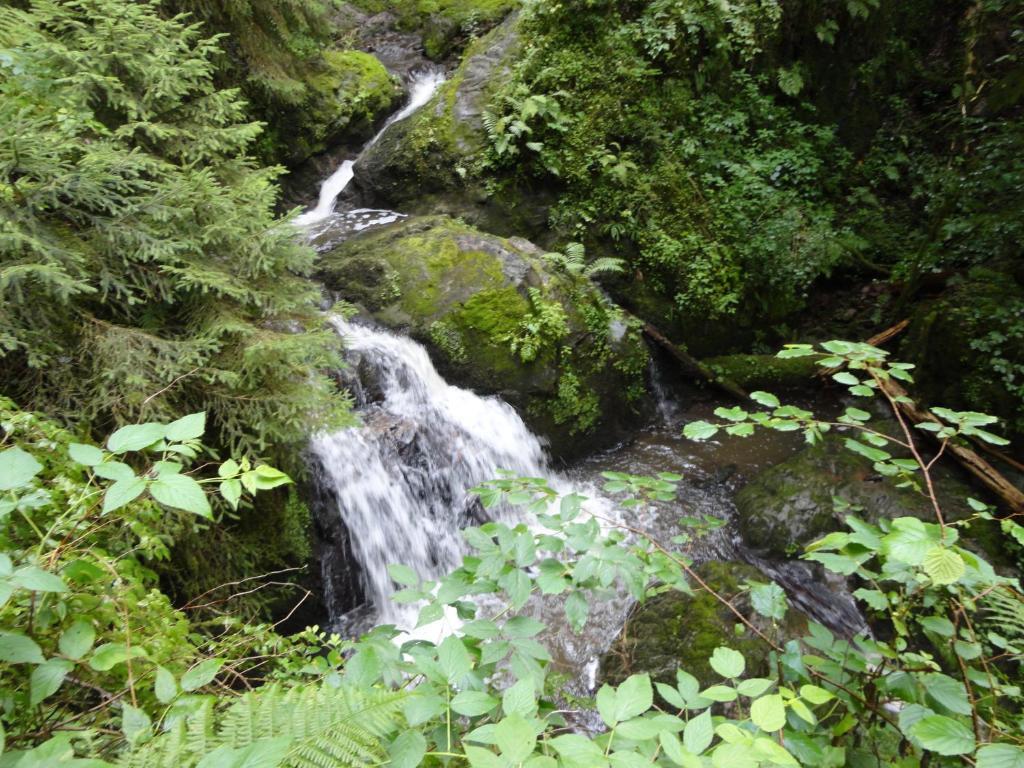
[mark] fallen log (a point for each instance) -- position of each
(693, 367)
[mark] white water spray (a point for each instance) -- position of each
(421, 90)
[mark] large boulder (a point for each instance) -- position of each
(431, 161)
(788, 506)
(343, 99)
(677, 631)
(498, 318)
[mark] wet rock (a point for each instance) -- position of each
(430, 162)
(498, 318)
(676, 631)
(788, 506)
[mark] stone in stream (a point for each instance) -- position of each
(677, 631)
(786, 507)
(498, 318)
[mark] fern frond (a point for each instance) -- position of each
(1004, 609)
(606, 265)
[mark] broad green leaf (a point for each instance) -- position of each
(231, 491)
(634, 697)
(17, 468)
(86, 455)
(407, 750)
(698, 733)
(266, 477)
(47, 678)
(473, 703)
(727, 662)
(943, 735)
(165, 686)
(765, 398)
(1000, 756)
(722, 693)
(454, 658)
(403, 574)
(768, 713)
(815, 695)
(479, 757)
(606, 705)
(769, 600)
(699, 430)
(135, 723)
(578, 751)
(135, 437)
(265, 753)
(33, 578)
(123, 492)
(109, 655)
(201, 674)
(676, 752)
(515, 738)
(948, 693)
(16, 648)
(910, 540)
(753, 687)
(520, 699)
(189, 427)
(576, 610)
(77, 639)
(113, 470)
(776, 754)
(943, 566)
(181, 492)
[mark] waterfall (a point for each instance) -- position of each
(400, 479)
(421, 88)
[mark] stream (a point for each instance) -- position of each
(398, 483)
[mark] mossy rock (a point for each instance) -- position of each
(788, 506)
(968, 346)
(676, 631)
(343, 98)
(468, 296)
(442, 24)
(765, 372)
(431, 161)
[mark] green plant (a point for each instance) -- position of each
(541, 330)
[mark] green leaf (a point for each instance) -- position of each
(722, 693)
(875, 454)
(181, 492)
(454, 658)
(231, 490)
(16, 648)
(189, 427)
(578, 751)
(479, 757)
(86, 455)
(576, 610)
(699, 430)
(607, 706)
(123, 492)
(403, 574)
(515, 738)
(765, 398)
(33, 578)
(1000, 756)
(520, 699)
(634, 697)
(17, 468)
(267, 477)
(165, 687)
(676, 752)
(201, 674)
(768, 600)
(113, 470)
(77, 639)
(768, 712)
(948, 693)
(727, 662)
(109, 655)
(135, 437)
(815, 695)
(47, 678)
(943, 735)
(698, 733)
(407, 750)
(845, 377)
(753, 687)
(135, 723)
(265, 753)
(943, 566)
(910, 540)
(473, 703)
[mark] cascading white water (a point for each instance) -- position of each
(401, 479)
(421, 88)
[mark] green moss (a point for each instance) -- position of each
(753, 372)
(676, 631)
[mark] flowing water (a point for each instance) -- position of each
(399, 484)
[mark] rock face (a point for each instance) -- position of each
(676, 631)
(791, 504)
(968, 346)
(429, 163)
(497, 318)
(341, 103)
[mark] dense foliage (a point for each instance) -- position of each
(142, 271)
(88, 642)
